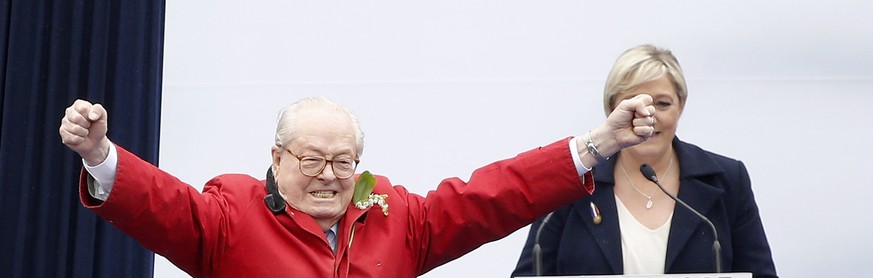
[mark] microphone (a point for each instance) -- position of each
(537, 250)
(649, 173)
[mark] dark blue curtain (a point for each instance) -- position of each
(51, 53)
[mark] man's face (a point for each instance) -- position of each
(324, 196)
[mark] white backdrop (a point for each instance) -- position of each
(445, 87)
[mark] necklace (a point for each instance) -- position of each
(649, 203)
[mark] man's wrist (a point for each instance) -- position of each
(601, 140)
(98, 156)
(591, 147)
(103, 174)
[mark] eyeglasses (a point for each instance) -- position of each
(311, 166)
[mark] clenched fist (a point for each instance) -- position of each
(83, 130)
(632, 122)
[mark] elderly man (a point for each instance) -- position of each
(299, 222)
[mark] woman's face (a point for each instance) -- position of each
(668, 109)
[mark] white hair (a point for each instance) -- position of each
(287, 116)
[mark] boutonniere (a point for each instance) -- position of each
(364, 198)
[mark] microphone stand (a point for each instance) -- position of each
(537, 250)
(649, 173)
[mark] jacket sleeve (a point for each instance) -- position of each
(500, 198)
(164, 214)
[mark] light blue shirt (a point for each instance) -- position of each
(331, 236)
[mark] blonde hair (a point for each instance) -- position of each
(639, 65)
(288, 116)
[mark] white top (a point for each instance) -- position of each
(643, 250)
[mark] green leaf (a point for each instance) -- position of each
(363, 187)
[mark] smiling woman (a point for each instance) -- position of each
(647, 233)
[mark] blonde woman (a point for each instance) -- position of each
(629, 226)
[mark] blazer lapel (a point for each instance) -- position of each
(697, 194)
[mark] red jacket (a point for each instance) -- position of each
(227, 231)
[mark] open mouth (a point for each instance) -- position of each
(323, 194)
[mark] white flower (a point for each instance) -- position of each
(374, 199)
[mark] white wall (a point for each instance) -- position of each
(445, 87)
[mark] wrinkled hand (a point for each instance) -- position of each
(632, 122)
(83, 130)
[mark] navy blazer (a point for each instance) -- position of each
(716, 186)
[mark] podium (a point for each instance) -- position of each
(686, 275)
